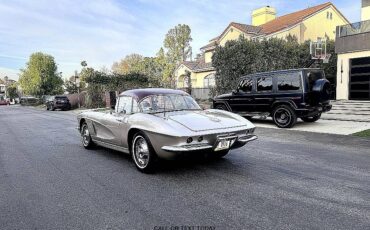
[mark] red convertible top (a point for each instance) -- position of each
(142, 93)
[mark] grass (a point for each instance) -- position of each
(365, 133)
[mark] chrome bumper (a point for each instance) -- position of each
(187, 148)
(241, 141)
(248, 138)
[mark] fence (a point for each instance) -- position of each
(199, 93)
(73, 99)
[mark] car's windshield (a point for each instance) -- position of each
(166, 103)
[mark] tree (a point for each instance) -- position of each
(130, 64)
(70, 86)
(177, 43)
(41, 77)
(11, 91)
(178, 49)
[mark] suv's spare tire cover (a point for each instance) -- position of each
(322, 91)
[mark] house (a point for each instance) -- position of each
(353, 48)
(4, 83)
(309, 24)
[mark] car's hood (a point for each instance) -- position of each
(206, 120)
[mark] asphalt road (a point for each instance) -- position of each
(285, 180)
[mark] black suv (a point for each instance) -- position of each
(284, 95)
(58, 102)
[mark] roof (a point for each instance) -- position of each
(278, 24)
(289, 20)
(198, 66)
(142, 93)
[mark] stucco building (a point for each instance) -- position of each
(353, 48)
(308, 24)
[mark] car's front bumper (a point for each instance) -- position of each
(237, 143)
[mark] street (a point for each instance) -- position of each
(285, 180)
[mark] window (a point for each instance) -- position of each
(166, 103)
(264, 84)
(209, 81)
(327, 15)
(289, 81)
(124, 105)
(246, 85)
(331, 16)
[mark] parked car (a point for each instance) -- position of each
(163, 123)
(29, 100)
(4, 101)
(284, 95)
(58, 102)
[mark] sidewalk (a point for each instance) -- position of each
(320, 126)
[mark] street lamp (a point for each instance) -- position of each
(78, 88)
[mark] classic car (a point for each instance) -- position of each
(163, 123)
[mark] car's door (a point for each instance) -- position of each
(243, 99)
(110, 127)
(264, 96)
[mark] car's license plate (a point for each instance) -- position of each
(222, 145)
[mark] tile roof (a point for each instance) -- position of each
(289, 20)
(198, 66)
(248, 29)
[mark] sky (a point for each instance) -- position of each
(104, 31)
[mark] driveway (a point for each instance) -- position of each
(284, 180)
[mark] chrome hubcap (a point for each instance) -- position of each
(141, 152)
(85, 136)
(283, 116)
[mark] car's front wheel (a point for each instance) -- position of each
(86, 137)
(311, 119)
(143, 153)
(284, 116)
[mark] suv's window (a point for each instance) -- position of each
(246, 85)
(289, 81)
(61, 97)
(312, 76)
(124, 104)
(264, 84)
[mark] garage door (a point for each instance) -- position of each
(359, 85)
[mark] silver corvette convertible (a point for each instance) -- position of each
(163, 123)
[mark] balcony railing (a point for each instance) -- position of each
(353, 29)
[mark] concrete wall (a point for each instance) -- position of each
(365, 11)
(343, 71)
(232, 34)
(208, 56)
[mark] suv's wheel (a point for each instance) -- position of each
(284, 116)
(311, 119)
(86, 137)
(47, 107)
(221, 107)
(143, 153)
